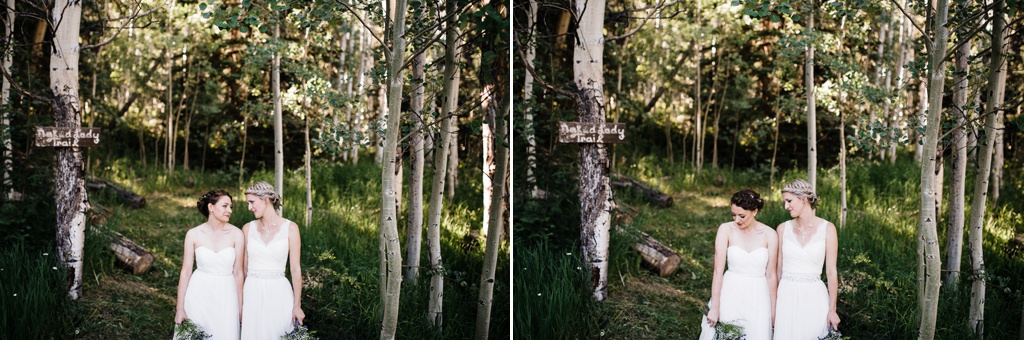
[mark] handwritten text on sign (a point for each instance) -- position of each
(48, 136)
(576, 132)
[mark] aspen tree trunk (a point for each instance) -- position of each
(275, 79)
(188, 129)
(389, 214)
(531, 143)
(887, 105)
(812, 123)
(309, 172)
(879, 74)
(5, 95)
(997, 156)
(169, 148)
(697, 133)
(894, 117)
(929, 260)
(453, 160)
(487, 137)
(595, 193)
(452, 75)
(70, 196)
(485, 298)
(382, 114)
(245, 137)
(342, 82)
(996, 92)
(922, 93)
(414, 229)
(842, 133)
(955, 230)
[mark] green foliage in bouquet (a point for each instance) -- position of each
(833, 334)
(189, 330)
(300, 332)
(725, 330)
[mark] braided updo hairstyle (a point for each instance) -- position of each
(747, 199)
(801, 189)
(208, 198)
(264, 189)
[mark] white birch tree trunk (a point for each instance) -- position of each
(842, 133)
(494, 225)
(169, 148)
(389, 214)
(69, 187)
(453, 160)
(894, 118)
(414, 228)
(309, 172)
(997, 157)
(996, 92)
(929, 260)
(487, 138)
(958, 163)
(595, 193)
(812, 122)
(275, 79)
(452, 75)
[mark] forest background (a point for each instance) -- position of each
(351, 108)
(898, 111)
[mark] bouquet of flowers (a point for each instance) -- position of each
(189, 330)
(725, 330)
(300, 332)
(833, 334)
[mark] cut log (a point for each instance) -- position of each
(624, 214)
(662, 259)
(656, 197)
(123, 195)
(132, 255)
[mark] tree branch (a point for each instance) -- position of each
(538, 79)
(422, 49)
(365, 25)
(656, 9)
(21, 90)
(129, 20)
(908, 17)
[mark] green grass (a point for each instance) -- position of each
(33, 302)
(341, 297)
(877, 256)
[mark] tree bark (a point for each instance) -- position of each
(997, 156)
(958, 163)
(309, 171)
(663, 259)
(452, 75)
(414, 228)
(69, 185)
(494, 225)
(595, 194)
(996, 92)
(132, 255)
(487, 137)
(812, 123)
(453, 160)
(842, 133)
(531, 143)
(389, 214)
(275, 80)
(5, 95)
(929, 261)
(169, 148)
(895, 116)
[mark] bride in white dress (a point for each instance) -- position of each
(211, 295)
(272, 305)
(744, 295)
(806, 308)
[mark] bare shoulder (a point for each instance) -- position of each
(832, 229)
(769, 232)
(781, 227)
(293, 228)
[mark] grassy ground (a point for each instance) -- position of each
(877, 259)
(339, 256)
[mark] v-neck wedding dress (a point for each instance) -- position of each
(267, 297)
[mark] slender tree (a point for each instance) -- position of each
(483, 310)
(531, 143)
(275, 80)
(996, 92)
(929, 261)
(5, 95)
(389, 214)
(414, 229)
(812, 122)
(958, 163)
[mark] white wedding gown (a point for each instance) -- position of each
(801, 311)
(267, 298)
(744, 300)
(211, 299)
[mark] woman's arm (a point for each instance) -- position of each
(239, 269)
(831, 249)
(770, 272)
(721, 249)
(294, 242)
(187, 259)
(778, 262)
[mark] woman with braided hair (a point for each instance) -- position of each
(744, 295)
(806, 309)
(272, 305)
(211, 296)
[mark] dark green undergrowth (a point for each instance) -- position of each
(877, 257)
(341, 297)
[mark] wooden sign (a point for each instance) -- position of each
(576, 132)
(48, 136)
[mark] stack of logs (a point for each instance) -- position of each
(659, 257)
(128, 253)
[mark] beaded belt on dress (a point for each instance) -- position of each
(756, 276)
(264, 274)
(801, 277)
(213, 273)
